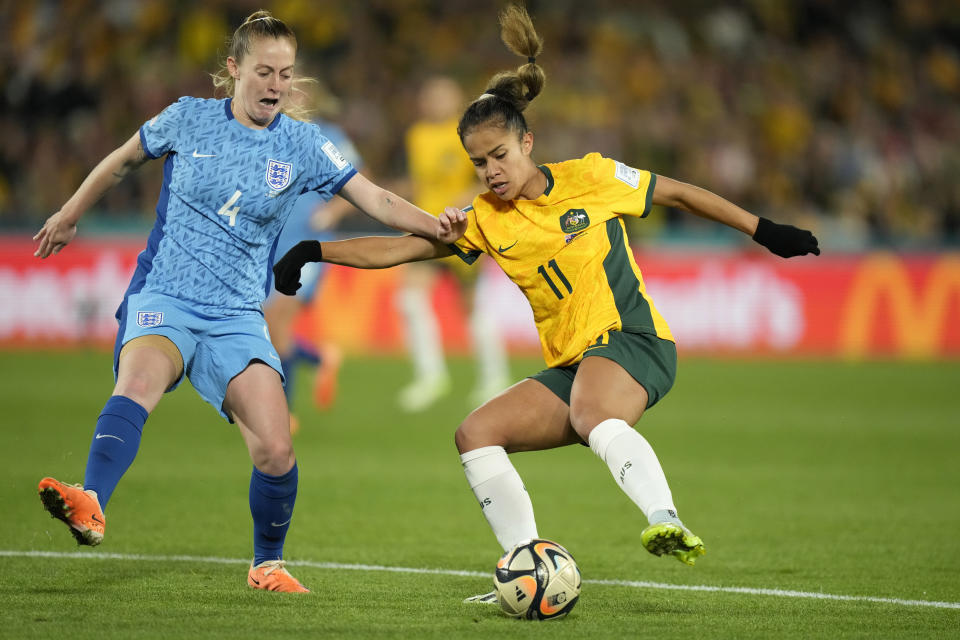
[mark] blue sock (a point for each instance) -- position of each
(271, 505)
(115, 444)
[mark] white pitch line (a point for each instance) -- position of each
(634, 584)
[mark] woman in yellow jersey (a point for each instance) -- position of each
(440, 174)
(557, 232)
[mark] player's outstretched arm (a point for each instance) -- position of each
(394, 211)
(782, 239)
(60, 228)
(372, 252)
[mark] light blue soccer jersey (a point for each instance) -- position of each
(227, 191)
(298, 226)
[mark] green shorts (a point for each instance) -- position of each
(650, 360)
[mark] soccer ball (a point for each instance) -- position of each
(537, 579)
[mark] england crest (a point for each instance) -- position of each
(149, 318)
(278, 174)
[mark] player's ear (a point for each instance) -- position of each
(232, 68)
(526, 143)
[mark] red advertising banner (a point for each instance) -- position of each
(736, 303)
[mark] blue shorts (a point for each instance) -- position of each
(215, 349)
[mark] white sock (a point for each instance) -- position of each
(499, 490)
(488, 348)
(633, 464)
(423, 333)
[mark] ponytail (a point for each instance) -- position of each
(508, 93)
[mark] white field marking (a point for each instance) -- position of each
(634, 584)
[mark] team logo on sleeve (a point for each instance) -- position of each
(149, 318)
(278, 174)
(334, 155)
(627, 175)
(574, 220)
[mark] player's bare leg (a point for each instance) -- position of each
(255, 401)
(525, 417)
(147, 367)
(605, 401)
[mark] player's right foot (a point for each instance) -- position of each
(271, 576)
(77, 508)
(668, 538)
(483, 598)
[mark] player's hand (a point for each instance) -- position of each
(286, 271)
(55, 234)
(453, 224)
(785, 240)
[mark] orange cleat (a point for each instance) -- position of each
(271, 576)
(79, 509)
(325, 381)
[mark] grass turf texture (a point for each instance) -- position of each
(806, 476)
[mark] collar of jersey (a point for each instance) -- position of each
(546, 171)
(270, 127)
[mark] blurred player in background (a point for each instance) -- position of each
(312, 217)
(556, 231)
(441, 175)
(233, 169)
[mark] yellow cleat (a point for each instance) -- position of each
(271, 576)
(77, 508)
(668, 538)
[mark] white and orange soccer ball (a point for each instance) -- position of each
(538, 580)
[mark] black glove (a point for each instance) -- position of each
(286, 272)
(785, 240)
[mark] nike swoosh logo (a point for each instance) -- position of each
(501, 249)
(96, 519)
(107, 435)
(203, 155)
(274, 524)
(254, 581)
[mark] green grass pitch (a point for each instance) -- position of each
(802, 478)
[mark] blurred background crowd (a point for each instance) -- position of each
(840, 116)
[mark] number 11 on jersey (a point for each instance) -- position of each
(563, 280)
(226, 210)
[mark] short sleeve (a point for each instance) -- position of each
(630, 191)
(468, 248)
(159, 135)
(333, 170)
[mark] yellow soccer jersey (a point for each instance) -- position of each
(568, 252)
(439, 167)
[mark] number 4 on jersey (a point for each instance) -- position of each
(225, 210)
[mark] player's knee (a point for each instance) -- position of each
(143, 387)
(584, 419)
(475, 432)
(274, 458)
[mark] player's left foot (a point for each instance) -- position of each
(271, 576)
(668, 538)
(483, 598)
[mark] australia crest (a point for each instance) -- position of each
(278, 174)
(574, 220)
